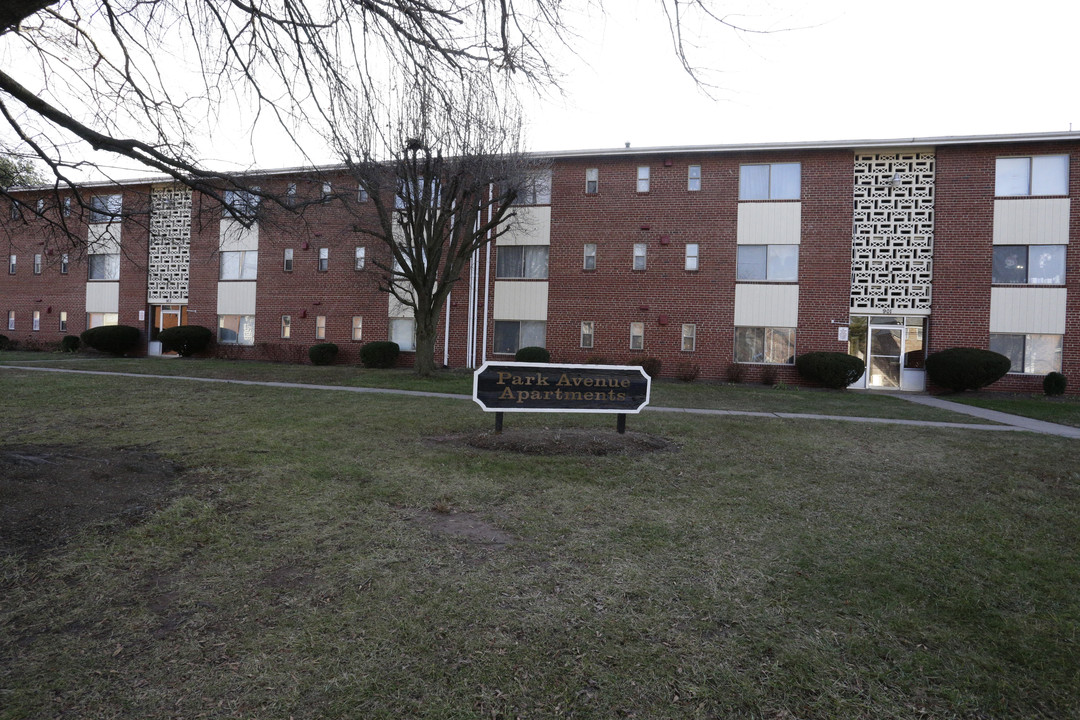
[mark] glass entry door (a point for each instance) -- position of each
(886, 348)
(893, 348)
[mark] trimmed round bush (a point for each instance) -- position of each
(962, 368)
(834, 370)
(70, 343)
(112, 339)
(379, 354)
(533, 354)
(186, 340)
(1054, 384)
(5, 342)
(323, 353)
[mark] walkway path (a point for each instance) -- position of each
(1008, 423)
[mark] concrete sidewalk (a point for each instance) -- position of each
(1009, 423)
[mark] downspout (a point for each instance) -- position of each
(487, 276)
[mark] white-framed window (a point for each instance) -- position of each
(16, 210)
(1037, 175)
(637, 336)
(403, 332)
(589, 262)
(1035, 354)
(324, 259)
(11, 320)
(775, 181)
(775, 346)
(286, 327)
(778, 263)
(362, 195)
(36, 321)
(691, 256)
(588, 333)
(287, 260)
(11, 264)
(639, 256)
(522, 261)
(357, 327)
(67, 207)
(512, 335)
(64, 264)
(536, 189)
(40, 206)
(106, 208)
(689, 337)
(327, 191)
(94, 320)
(320, 327)
(290, 194)
(63, 321)
(643, 178)
(360, 258)
(1029, 264)
(239, 265)
(103, 266)
(693, 178)
(37, 263)
(236, 329)
(592, 181)
(241, 204)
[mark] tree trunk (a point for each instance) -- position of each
(424, 363)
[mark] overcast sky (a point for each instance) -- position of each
(849, 69)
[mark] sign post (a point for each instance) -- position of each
(502, 387)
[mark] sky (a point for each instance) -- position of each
(830, 70)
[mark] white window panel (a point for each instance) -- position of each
(693, 178)
(239, 265)
(637, 336)
(691, 256)
(643, 179)
(403, 332)
(592, 181)
(590, 256)
(357, 327)
(639, 256)
(587, 333)
(689, 337)
(104, 266)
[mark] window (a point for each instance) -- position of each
(778, 181)
(320, 327)
(37, 263)
(239, 265)
(590, 256)
(1032, 264)
(11, 265)
(37, 321)
(324, 259)
(287, 264)
(639, 256)
(522, 261)
(11, 320)
(64, 264)
(1040, 175)
(286, 327)
(765, 345)
(689, 337)
(361, 254)
(403, 332)
(637, 336)
(67, 207)
(104, 266)
(327, 191)
(94, 320)
(362, 195)
(587, 333)
(643, 178)
(592, 181)
(357, 327)
(16, 210)
(536, 189)
(40, 206)
(290, 194)
(512, 335)
(236, 329)
(105, 208)
(779, 263)
(691, 256)
(63, 321)
(693, 178)
(1033, 354)
(241, 204)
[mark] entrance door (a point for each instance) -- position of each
(165, 316)
(886, 348)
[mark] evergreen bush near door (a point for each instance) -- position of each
(379, 354)
(323, 353)
(960, 369)
(186, 340)
(70, 343)
(1054, 384)
(112, 339)
(834, 370)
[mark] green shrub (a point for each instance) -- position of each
(5, 343)
(734, 373)
(1054, 384)
(830, 369)
(112, 339)
(960, 369)
(323, 353)
(379, 354)
(70, 343)
(187, 340)
(651, 366)
(532, 354)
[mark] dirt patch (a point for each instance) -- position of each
(563, 441)
(464, 525)
(50, 492)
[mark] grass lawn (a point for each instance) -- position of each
(325, 557)
(1063, 409)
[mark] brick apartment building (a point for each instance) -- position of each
(732, 259)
